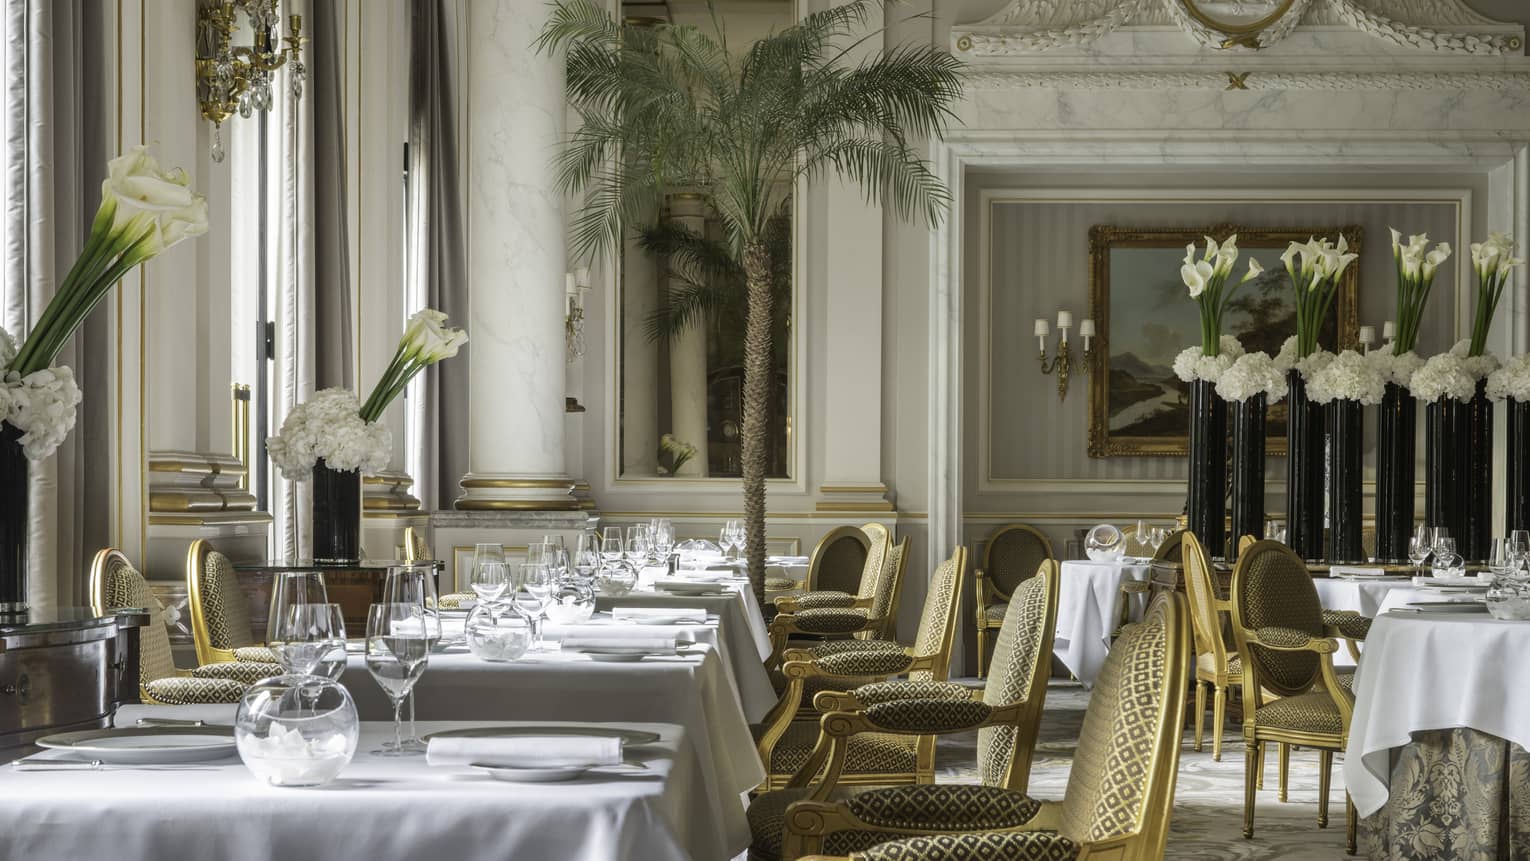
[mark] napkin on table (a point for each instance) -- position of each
(634, 643)
(683, 585)
(696, 615)
(526, 751)
(1355, 571)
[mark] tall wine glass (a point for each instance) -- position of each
(1519, 546)
(397, 652)
(740, 538)
(304, 636)
(587, 554)
(611, 532)
(1438, 534)
(490, 580)
(1418, 547)
(291, 589)
(1501, 558)
(540, 584)
(662, 535)
(416, 584)
(611, 548)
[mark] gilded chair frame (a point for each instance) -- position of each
(196, 565)
(989, 591)
(861, 534)
(98, 567)
(809, 822)
(1212, 663)
(799, 667)
(787, 625)
(1260, 689)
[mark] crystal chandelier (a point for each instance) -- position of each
(239, 77)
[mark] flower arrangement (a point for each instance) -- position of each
(674, 453)
(1349, 377)
(1443, 376)
(332, 426)
(1250, 375)
(1207, 281)
(329, 426)
(1397, 368)
(1492, 261)
(1315, 282)
(144, 211)
(1512, 381)
(1479, 365)
(1194, 363)
(1287, 359)
(1416, 268)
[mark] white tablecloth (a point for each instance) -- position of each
(379, 808)
(740, 620)
(1363, 596)
(695, 691)
(1409, 594)
(1088, 607)
(1430, 672)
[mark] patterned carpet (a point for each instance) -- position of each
(1208, 807)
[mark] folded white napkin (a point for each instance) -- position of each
(416, 627)
(1440, 579)
(633, 643)
(787, 560)
(695, 615)
(1355, 571)
(696, 575)
(685, 585)
(526, 751)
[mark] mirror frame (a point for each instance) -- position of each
(1193, 8)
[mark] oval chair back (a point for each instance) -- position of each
(1169, 550)
(1013, 554)
(1121, 788)
(1203, 601)
(884, 601)
(839, 561)
(1022, 662)
(1272, 588)
(937, 627)
(115, 584)
(220, 613)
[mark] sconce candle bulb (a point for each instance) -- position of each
(1388, 330)
(1061, 362)
(1367, 338)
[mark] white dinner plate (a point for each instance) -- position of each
(629, 737)
(552, 774)
(146, 745)
(618, 657)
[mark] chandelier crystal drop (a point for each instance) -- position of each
(239, 78)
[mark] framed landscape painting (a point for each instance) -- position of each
(1145, 317)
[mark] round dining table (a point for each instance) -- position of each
(1089, 598)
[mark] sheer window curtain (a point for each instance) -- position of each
(437, 245)
(55, 154)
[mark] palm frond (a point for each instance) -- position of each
(889, 173)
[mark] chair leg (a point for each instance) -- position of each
(1259, 778)
(1283, 753)
(1325, 769)
(1200, 712)
(982, 639)
(1349, 824)
(1253, 760)
(1218, 718)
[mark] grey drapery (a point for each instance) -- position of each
(333, 308)
(55, 156)
(437, 250)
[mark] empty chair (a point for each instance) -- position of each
(1012, 554)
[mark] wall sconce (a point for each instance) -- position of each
(1060, 363)
(1366, 338)
(1388, 333)
(574, 285)
(238, 78)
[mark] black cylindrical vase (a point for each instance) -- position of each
(1441, 479)
(336, 515)
(1346, 446)
(1517, 466)
(1305, 438)
(14, 509)
(1248, 418)
(1397, 434)
(1477, 488)
(1207, 505)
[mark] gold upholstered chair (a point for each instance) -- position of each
(1006, 715)
(870, 615)
(220, 613)
(872, 578)
(115, 584)
(1012, 554)
(1291, 693)
(838, 561)
(1213, 665)
(786, 740)
(1120, 792)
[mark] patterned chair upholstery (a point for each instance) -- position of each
(788, 736)
(1007, 717)
(1120, 791)
(220, 615)
(1213, 665)
(115, 584)
(868, 617)
(838, 562)
(1012, 554)
(1291, 694)
(874, 590)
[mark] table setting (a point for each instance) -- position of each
(1090, 596)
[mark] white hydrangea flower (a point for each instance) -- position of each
(7, 350)
(1443, 376)
(1396, 369)
(1252, 374)
(42, 406)
(1512, 381)
(1349, 376)
(329, 426)
(1191, 365)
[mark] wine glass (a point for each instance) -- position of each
(556, 558)
(1444, 546)
(415, 584)
(611, 532)
(397, 652)
(637, 545)
(488, 553)
(1140, 534)
(1501, 558)
(662, 534)
(587, 554)
(490, 580)
(1418, 547)
(291, 589)
(302, 636)
(539, 584)
(1519, 546)
(1437, 534)
(535, 553)
(1157, 535)
(611, 548)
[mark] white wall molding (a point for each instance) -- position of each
(1244, 79)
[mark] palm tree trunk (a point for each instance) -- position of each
(754, 439)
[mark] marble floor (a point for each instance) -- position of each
(1208, 807)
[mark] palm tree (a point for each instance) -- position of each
(668, 108)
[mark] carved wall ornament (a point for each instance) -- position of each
(1035, 26)
(979, 79)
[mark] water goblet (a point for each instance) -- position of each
(539, 584)
(490, 580)
(488, 553)
(415, 584)
(1418, 548)
(637, 545)
(1501, 558)
(1444, 546)
(303, 636)
(1519, 546)
(587, 554)
(662, 534)
(396, 654)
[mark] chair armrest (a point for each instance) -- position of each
(910, 813)
(928, 716)
(827, 621)
(883, 692)
(1290, 640)
(974, 846)
(819, 600)
(1346, 623)
(870, 663)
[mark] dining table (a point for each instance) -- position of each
(657, 807)
(1089, 610)
(1437, 762)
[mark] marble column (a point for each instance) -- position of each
(516, 263)
(688, 355)
(640, 363)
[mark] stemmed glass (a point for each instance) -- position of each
(1157, 535)
(587, 554)
(397, 652)
(291, 590)
(731, 539)
(611, 548)
(306, 639)
(539, 583)
(662, 535)
(489, 581)
(487, 553)
(1419, 547)
(1501, 557)
(637, 545)
(415, 584)
(1519, 547)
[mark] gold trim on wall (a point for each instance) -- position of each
(561, 484)
(1104, 237)
(570, 504)
(1247, 33)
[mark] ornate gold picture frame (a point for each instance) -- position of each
(1144, 316)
